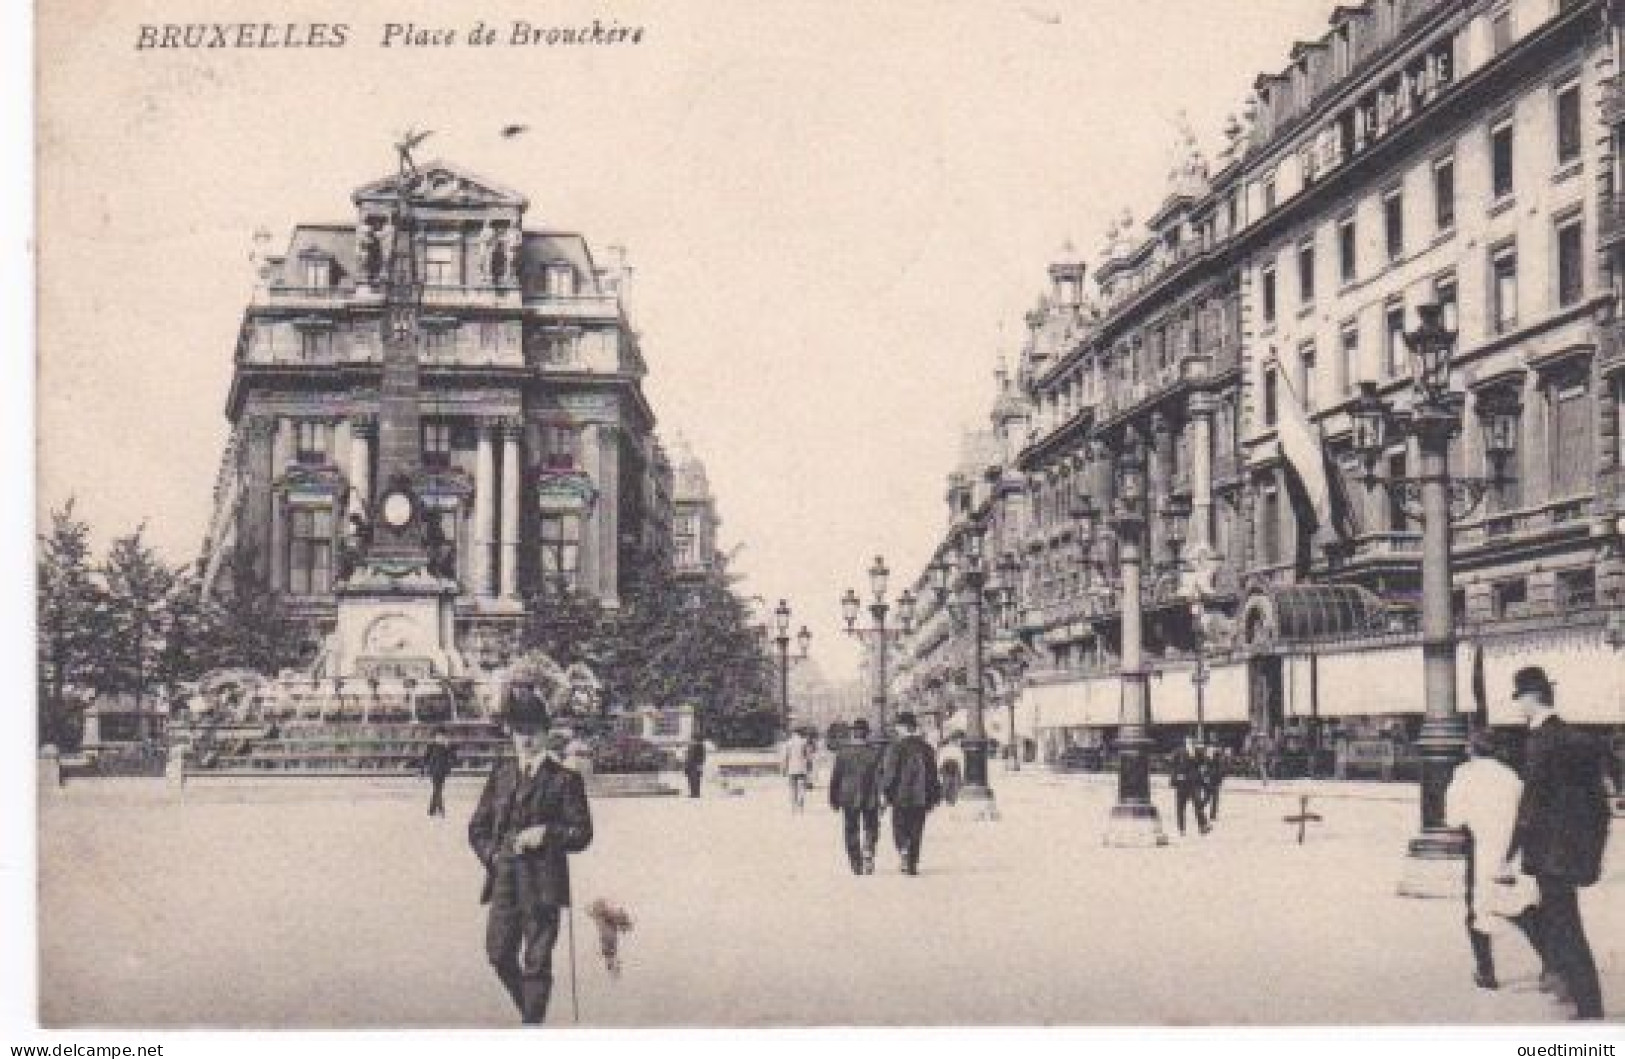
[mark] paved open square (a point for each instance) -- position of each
(340, 904)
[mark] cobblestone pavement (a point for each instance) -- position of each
(339, 904)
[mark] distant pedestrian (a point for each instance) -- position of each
(1185, 773)
(694, 764)
(438, 760)
(951, 764)
(532, 814)
(1483, 800)
(910, 786)
(1562, 829)
(797, 766)
(1213, 768)
(1262, 748)
(854, 792)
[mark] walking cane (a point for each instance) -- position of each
(575, 1005)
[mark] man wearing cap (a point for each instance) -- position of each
(532, 814)
(909, 784)
(1561, 830)
(854, 791)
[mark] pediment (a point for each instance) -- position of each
(443, 184)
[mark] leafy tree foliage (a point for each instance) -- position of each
(68, 605)
(672, 641)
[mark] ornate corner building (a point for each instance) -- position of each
(1421, 151)
(541, 469)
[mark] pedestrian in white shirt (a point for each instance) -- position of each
(1483, 799)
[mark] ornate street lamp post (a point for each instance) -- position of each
(781, 626)
(1004, 595)
(878, 608)
(1437, 500)
(1176, 516)
(965, 569)
(1133, 820)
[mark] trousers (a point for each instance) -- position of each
(519, 944)
(1191, 796)
(437, 796)
(908, 832)
(861, 828)
(694, 784)
(1563, 945)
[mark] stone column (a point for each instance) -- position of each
(1203, 531)
(362, 432)
(484, 495)
(281, 453)
(609, 511)
(509, 565)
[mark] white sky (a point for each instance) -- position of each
(838, 215)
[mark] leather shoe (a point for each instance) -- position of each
(1485, 981)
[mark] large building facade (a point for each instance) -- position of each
(1421, 151)
(541, 469)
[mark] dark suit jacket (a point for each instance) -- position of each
(1563, 814)
(556, 797)
(909, 776)
(855, 781)
(1185, 770)
(438, 760)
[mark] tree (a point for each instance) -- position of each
(243, 627)
(137, 589)
(71, 625)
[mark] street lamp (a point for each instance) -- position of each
(1006, 594)
(878, 633)
(781, 625)
(964, 567)
(1437, 500)
(1133, 820)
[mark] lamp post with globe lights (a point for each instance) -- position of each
(963, 569)
(878, 633)
(781, 626)
(1438, 500)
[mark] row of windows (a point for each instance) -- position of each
(1502, 186)
(1502, 317)
(311, 548)
(442, 267)
(560, 443)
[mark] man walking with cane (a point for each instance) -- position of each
(532, 814)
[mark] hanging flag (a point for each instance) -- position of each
(1315, 484)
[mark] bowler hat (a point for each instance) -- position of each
(861, 726)
(907, 720)
(1531, 680)
(524, 709)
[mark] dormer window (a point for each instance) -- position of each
(440, 266)
(315, 272)
(561, 280)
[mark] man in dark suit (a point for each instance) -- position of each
(1561, 831)
(910, 785)
(532, 814)
(1185, 773)
(438, 760)
(1213, 769)
(694, 764)
(854, 790)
